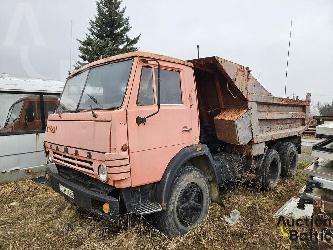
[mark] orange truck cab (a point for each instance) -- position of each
(143, 133)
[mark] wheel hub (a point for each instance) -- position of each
(190, 205)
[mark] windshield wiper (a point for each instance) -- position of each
(94, 100)
(93, 112)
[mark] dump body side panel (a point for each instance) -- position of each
(245, 105)
(280, 119)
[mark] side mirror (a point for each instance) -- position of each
(142, 120)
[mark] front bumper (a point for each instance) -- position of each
(91, 201)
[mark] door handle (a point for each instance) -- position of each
(186, 129)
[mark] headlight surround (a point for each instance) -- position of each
(102, 173)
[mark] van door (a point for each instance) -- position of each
(158, 140)
(22, 125)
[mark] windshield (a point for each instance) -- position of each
(10, 107)
(102, 87)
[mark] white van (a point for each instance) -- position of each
(24, 107)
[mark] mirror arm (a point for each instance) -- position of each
(142, 120)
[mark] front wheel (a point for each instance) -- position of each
(188, 204)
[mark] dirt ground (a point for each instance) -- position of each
(33, 216)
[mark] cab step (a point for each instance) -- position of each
(147, 208)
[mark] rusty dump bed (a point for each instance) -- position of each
(239, 110)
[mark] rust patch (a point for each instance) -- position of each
(231, 114)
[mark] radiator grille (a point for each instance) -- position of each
(72, 161)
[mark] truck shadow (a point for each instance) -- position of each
(124, 223)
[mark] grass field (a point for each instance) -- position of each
(33, 216)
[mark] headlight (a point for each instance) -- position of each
(102, 173)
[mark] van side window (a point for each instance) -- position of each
(22, 113)
(170, 87)
(146, 92)
(50, 104)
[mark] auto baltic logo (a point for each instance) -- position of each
(317, 228)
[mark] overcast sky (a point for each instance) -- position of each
(35, 37)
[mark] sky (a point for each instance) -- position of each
(35, 37)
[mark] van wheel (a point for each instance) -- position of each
(271, 170)
(188, 204)
(289, 158)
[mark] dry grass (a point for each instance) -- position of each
(33, 216)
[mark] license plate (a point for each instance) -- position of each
(66, 191)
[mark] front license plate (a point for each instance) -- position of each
(66, 191)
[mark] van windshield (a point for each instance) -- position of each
(102, 87)
(14, 112)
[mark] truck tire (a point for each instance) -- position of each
(271, 170)
(289, 158)
(188, 203)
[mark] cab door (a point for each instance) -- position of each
(154, 143)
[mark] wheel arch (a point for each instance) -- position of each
(200, 157)
(296, 140)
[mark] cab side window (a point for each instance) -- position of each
(146, 91)
(170, 87)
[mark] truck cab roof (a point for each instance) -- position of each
(142, 54)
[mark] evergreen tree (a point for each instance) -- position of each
(108, 33)
(325, 109)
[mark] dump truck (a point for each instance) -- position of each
(146, 134)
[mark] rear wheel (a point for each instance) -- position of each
(188, 204)
(289, 158)
(271, 170)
